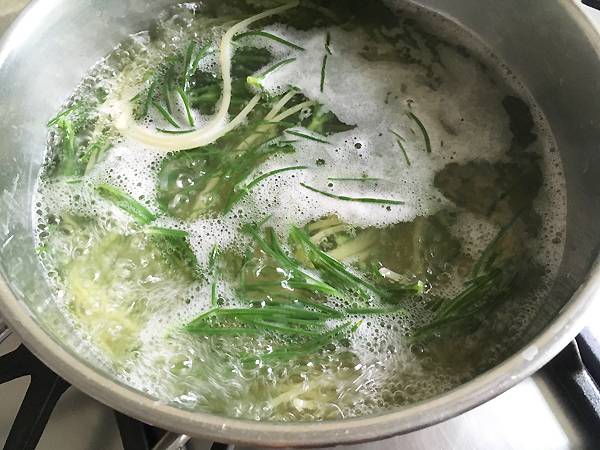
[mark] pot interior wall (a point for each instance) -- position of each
(56, 42)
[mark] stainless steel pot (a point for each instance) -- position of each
(551, 47)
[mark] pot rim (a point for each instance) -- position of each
(568, 323)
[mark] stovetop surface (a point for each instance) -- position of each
(529, 416)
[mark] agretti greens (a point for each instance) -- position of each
(283, 210)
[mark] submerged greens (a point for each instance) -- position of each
(215, 178)
(82, 139)
(116, 281)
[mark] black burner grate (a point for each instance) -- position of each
(136, 435)
(42, 394)
(44, 391)
(593, 3)
(574, 373)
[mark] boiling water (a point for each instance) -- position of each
(491, 158)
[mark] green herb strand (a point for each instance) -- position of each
(307, 136)
(163, 112)
(400, 140)
(204, 51)
(68, 130)
(313, 345)
(186, 103)
(487, 287)
(277, 124)
(353, 199)
(125, 202)
(162, 130)
(301, 279)
(373, 311)
(64, 113)
(246, 189)
(267, 312)
(256, 81)
(258, 180)
(398, 135)
(283, 328)
(166, 87)
(94, 152)
(147, 101)
(487, 257)
(323, 72)
(168, 232)
(69, 164)
(213, 267)
(482, 294)
(189, 55)
(321, 307)
(330, 268)
(361, 179)
(423, 130)
(403, 149)
(199, 320)
(268, 36)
